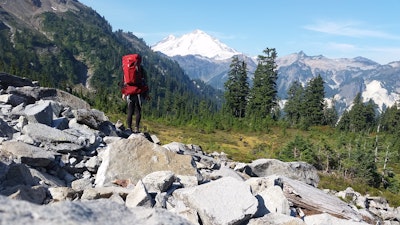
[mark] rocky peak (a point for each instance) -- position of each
(27, 10)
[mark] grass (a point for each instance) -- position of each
(338, 183)
(240, 146)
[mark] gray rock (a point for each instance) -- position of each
(308, 197)
(277, 219)
(274, 201)
(326, 219)
(5, 130)
(18, 174)
(187, 181)
(186, 212)
(295, 170)
(92, 118)
(56, 107)
(61, 123)
(155, 139)
(83, 133)
(224, 201)
(63, 193)
(7, 80)
(158, 181)
(225, 172)
(104, 192)
(12, 99)
(40, 112)
(139, 196)
(92, 164)
(46, 179)
(108, 129)
(42, 133)
(28, 154)
(99, 212)
(132, 159)
(176, 147)
(68, 100)
(33, 194)
(64, 148)
(82, 184)
(259, 184)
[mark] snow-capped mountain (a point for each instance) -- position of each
(201, 56)
(204, 57)
(195, 43)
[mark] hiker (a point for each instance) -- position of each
(134, 89)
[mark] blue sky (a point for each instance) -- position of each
(333, 28)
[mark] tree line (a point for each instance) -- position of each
(363, 139)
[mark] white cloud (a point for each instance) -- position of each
(350, 29)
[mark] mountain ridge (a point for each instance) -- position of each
(344, 77)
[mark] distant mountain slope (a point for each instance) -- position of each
(344, 77)
(63, 43)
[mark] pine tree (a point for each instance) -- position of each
(390, 119)
(314, 102)
(263, 95)
(293, 105)
(361, 117)
(330, 115)
(237, 88)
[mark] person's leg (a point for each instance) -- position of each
(131, 108)
(138, 112)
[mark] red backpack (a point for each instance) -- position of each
(133, 82)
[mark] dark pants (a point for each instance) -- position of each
(134, 106)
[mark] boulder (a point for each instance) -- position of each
(132, 159)
(93, 118)
(315, 200)
(7, 80)
(5, 130)
(277, 219)
(224, 201)
(99, 212)
(326, 219)
(28, 154)
(272, 200)
(295, 170)
(43, 133)
(139, 196)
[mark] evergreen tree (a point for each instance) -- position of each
(263, 94)
(314, 103)
(293, 105)
(361, 117)
(237, 88)
(344, 122)
(330, 115)
(390, 119)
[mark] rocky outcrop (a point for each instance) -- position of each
(63, 162)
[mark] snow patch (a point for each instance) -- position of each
(375, 91)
